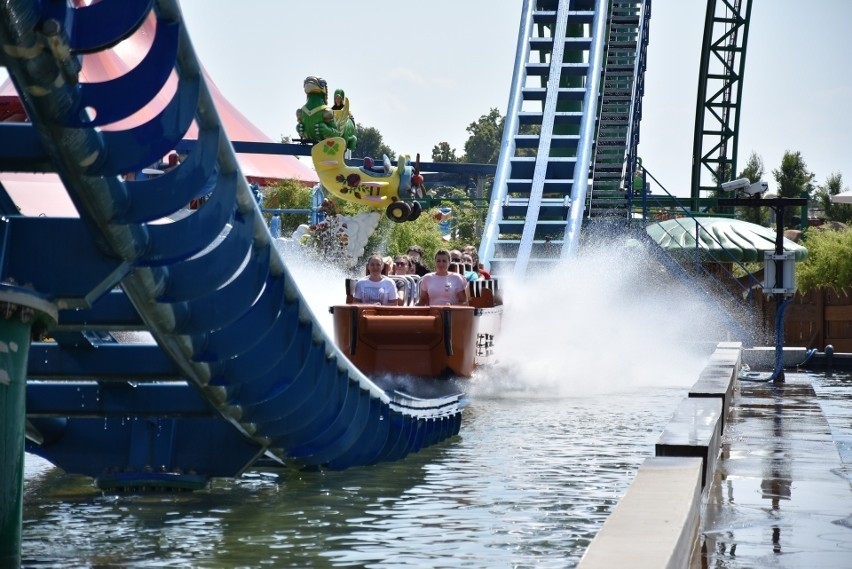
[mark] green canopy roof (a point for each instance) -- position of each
(720, 239)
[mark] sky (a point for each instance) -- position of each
(421, 72)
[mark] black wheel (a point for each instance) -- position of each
(398, 211)
(416, 209)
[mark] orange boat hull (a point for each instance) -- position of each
(422, 341)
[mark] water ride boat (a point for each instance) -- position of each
(420, 341)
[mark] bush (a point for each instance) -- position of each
(829, 262)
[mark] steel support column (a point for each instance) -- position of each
(22, 312)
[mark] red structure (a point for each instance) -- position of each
(42, 194)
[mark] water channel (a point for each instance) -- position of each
(595, 358)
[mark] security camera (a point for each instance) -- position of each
(756, 189)
(739, 184)
(744, 187)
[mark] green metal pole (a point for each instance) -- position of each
(21, 311)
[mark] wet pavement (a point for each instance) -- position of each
(782, 493)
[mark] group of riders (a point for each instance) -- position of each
(406, 280)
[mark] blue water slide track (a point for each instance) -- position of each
(542, 182)
(241, 370)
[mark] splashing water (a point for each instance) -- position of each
(611, 320)
(321, 284)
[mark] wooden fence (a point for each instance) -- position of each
(813, 320)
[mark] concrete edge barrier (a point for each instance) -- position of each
(656, 523)
(694, 430)
(718, 382)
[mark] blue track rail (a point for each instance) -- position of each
(240, 369)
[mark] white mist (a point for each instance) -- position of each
(611, 320)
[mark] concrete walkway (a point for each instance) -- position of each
(781, 495)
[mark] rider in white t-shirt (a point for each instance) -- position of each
(442, 287)
(375, 288)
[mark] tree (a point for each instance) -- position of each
(370, 143)
(793, 179)
(468, 219)
(442, 152)
(483, 145)
(754, 171)
(833, 212)
(423, 231)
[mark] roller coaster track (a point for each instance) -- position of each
(240, 370)
(571, 56)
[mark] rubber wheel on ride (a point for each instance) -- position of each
(416, 209)
(398, 212)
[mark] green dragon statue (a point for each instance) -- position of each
(316, 121)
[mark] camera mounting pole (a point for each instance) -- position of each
(778, 205)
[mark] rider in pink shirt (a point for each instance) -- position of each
(442, 287)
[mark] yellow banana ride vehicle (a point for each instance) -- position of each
(378, 187)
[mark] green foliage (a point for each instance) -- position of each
(793, 179)
(422, 231)
(528, 129)
(754, 171)
(467, 221)
(833, 212)
(483, 145)
(829, 262)
(288, 194)
(442, 152)
(371, 143)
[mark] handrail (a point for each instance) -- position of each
(554, 80)
(638, 66)
(499, 187)
(571, 240)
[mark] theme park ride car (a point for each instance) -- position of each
(420, 341)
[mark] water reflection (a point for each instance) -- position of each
(529, 482)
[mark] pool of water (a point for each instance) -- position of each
(834, 391)
(594, 361)
(528, 483)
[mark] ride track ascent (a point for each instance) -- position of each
(570, 55)
(240, 370)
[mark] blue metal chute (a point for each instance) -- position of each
(202, 274)
(207, 283)
(112, 101)
(580, 185)
(167, 242)
(500, 186)
(226, 304)
(134, 149)
(253, 325)
(156, 198)
(102, 25)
